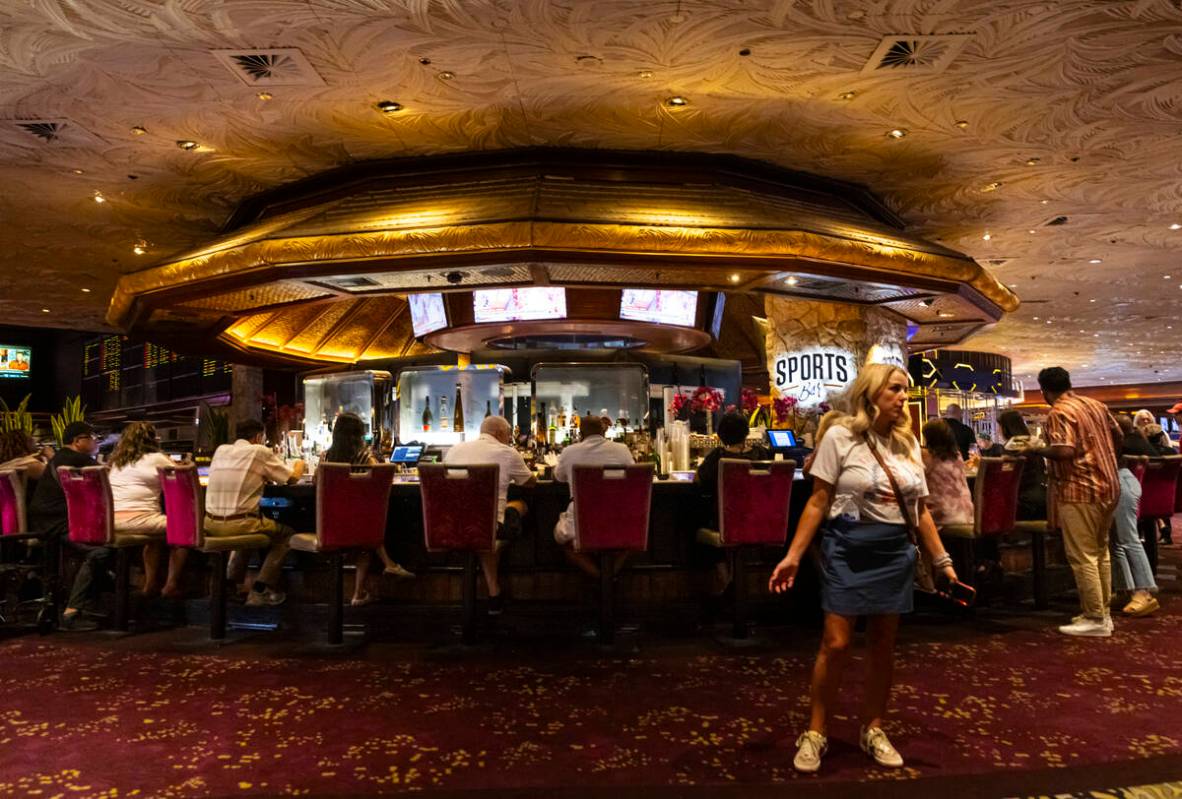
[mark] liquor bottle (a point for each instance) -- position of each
(575, 421)
(427, 417)
(444, 414)
(541, 421)
(487, 408)
(459, 417)
(561, 416)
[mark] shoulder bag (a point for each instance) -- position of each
(924, 578)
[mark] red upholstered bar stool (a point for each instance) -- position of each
(460, 515)
(90, 514)
(995, 509)
(753, 499)
(612, 505)
(1159, 496)
(13, 529)
(184, 507)
(352, 503)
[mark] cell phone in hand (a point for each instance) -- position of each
(960, 593)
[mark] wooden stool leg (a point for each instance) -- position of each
(607, 625)
(739, 628)
(469, 597)
(336, 622)
(122, 587)
(217, 597)
(1038, 568)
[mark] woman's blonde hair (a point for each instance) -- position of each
(138, 439)
(860, 410)
(1143, 418)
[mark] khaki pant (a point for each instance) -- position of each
(1085, 537)
(254, 525)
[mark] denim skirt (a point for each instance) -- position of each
(866, 569)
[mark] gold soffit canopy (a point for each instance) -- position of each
(318, 270)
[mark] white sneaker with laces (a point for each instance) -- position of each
(809, 749)
(875, 743)
(1088, 628)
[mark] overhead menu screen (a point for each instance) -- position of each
(14, 361)
(427, 313)
(512, 305)
(117, 373)
(660, 306)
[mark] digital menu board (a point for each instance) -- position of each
(118, 373)
(14, 361)
(511, 305)
(660, 306)
(427, 313)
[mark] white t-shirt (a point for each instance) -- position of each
(136, 487)
(591, 451)
(862, 490)
(487, 449)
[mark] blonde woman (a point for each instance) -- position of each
(868, 560)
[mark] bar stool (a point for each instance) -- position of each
(352, 503)
(460, 515)
(995, 508)
(611, 506)
(14, 528)
(90, 514)
(185, 511)
(1159, 496)
(753, 500)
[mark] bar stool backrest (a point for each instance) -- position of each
(1159, 488)
(12, 501)
(611, 506)
(753, 498)
(459, 506)
(995, 495)
(352, 503)
(89, 507)
(183, 505)
(1135, 464)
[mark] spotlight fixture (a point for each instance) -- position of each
(962, 123)
(1044, 202)
(987, 236)
(139, 130)
(994, 186)
(1032, 231)
(1175, 226)
(424, 61)
(85, 291)
(897, 133)
(186, 144)
(1032, 161)
(389, 107)
(79, 172)
(644, 73)
(847, 95)
(140, 248)
(791, 280)
(735, 278)
(446, 74)
(44, 310)
(1095, 261)
(677, 101)
(99, 198)
(264, 96)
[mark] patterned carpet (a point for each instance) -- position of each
(1000, 697)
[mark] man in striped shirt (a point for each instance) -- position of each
(1082, 441)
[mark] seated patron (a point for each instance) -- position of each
(1032, 491)
(135, 491)
(592, 450)
(948, 499)
(237, 475)
(47, 514)
(493, 447)
(19, 451)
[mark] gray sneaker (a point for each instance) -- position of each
(269, 597)
(810, 747)
(1082, 618)
(875, 743)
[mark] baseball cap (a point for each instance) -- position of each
(1176, 409)
(75, 429)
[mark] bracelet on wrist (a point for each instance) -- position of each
(942, 560)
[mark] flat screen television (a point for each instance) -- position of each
(716, 319)
(512, 305)
(14, 361)
(661, 306)
(427, 313)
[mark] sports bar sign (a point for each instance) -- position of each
(811, 375)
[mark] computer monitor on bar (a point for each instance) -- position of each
(781, 440)
(408, 455)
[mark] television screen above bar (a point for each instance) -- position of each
(716, 318)
(514, 305)
(660, 306)
(427, 313)
(14, 361)
(117, 373)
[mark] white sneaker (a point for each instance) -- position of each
(875, 743)
(809, 749)
(1082, 618)
(1090, 628)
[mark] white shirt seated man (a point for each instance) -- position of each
(493, 447)
(593, 450)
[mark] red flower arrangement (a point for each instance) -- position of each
(750, 401)
(783, 408)
(680, 401)
(705, 398)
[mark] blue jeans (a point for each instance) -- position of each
(1130, 566)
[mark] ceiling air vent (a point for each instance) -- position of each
(898, 54)
(277, 67)
(352, 282)
(58, 132)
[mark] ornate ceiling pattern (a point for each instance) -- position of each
(1017, 113)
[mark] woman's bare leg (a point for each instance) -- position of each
(880, 634)
(176, 566)
(829, 667)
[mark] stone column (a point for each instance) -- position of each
(246, 388)
(814, 349)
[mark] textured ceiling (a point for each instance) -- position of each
(1089, 93)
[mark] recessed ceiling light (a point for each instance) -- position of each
(1032, 231)
(139, 130)
(85, 291)
(1048, 321)
(1165, 277)
(676, 101)
(140, 249)
(1044, 202)
(79, 172)
(99, 198)
(1032, 161)
(1095, 261)
(424, 61)
(897, 133)
(1175, 226)
(962, 123)
(791, 280)
(987, 236)
(389, 107)
(847, 95)
(735, 278)
(644, 73)
(1091, 300)
(1013, 285)
(994, 186)
(446, 74)
(186, 144)
(264, 96)
(44, 310)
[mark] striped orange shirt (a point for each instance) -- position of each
(1090, 477)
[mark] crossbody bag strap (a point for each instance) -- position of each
(911, 532)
